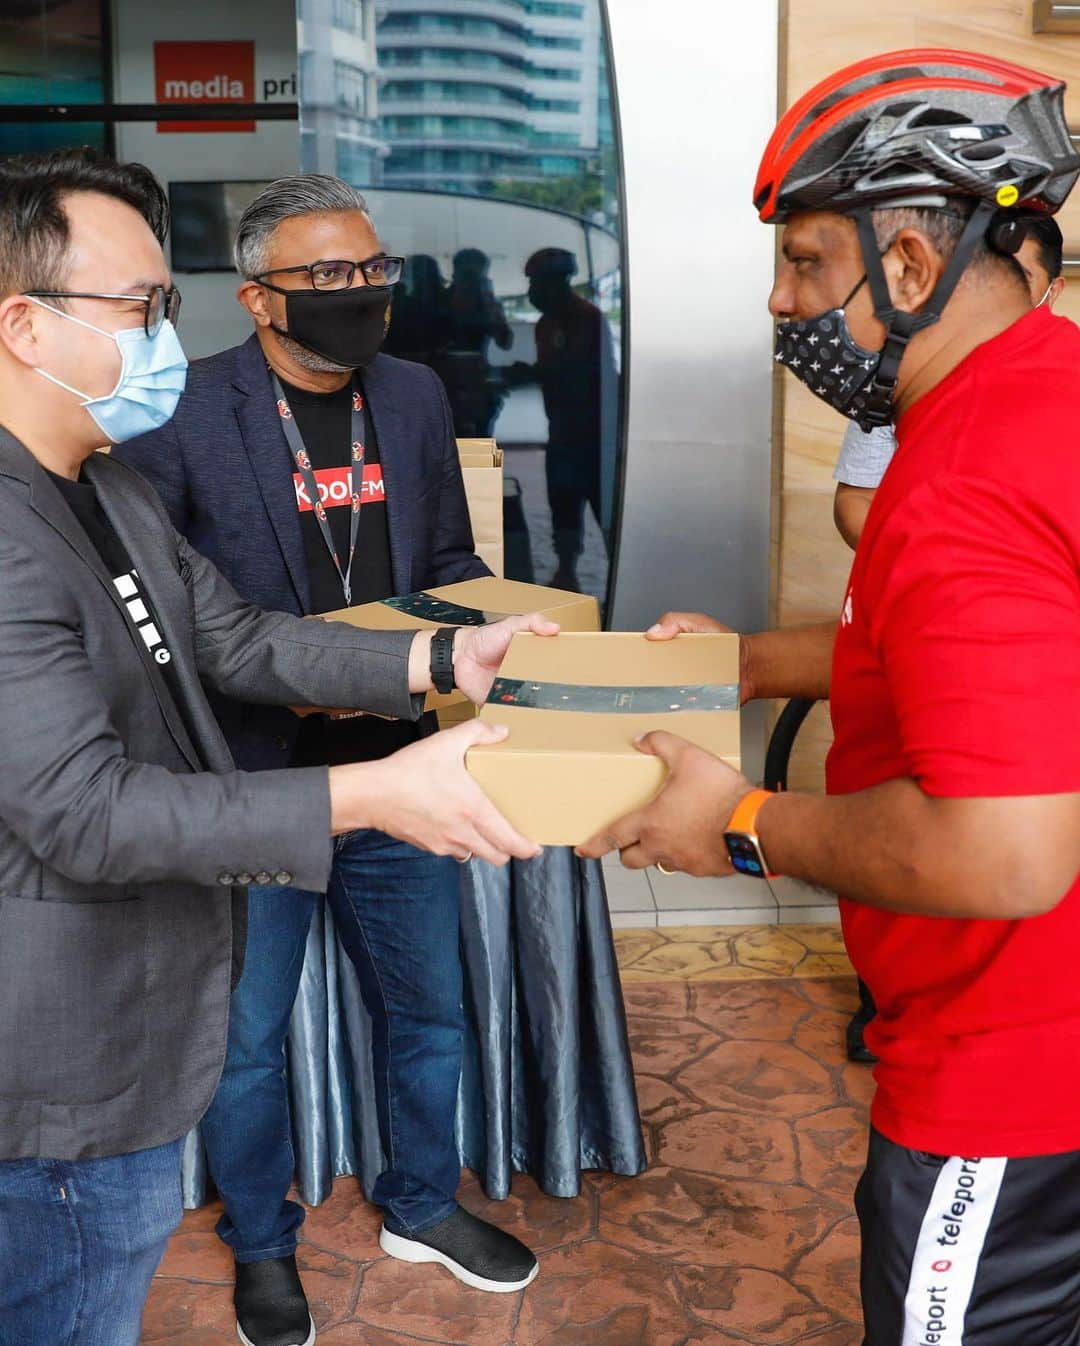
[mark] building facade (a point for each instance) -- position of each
(339, 77)
(477, 95)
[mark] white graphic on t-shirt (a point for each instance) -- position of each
(335, 487)
(127, 586)
(848, 613)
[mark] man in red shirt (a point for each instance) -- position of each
(952, 821)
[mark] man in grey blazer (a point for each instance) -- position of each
(311, 389)
(126, 835)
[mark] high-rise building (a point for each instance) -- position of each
(564, 41)
(478, 92)
(339, 88)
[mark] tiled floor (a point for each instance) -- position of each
(645, 897)
(739, 1234)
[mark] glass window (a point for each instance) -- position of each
(555, 105)
(452, 128)
(444, 91)
(555, 72)
(510, 222)
(355, 162)
(451, 57)
(51, 53)
(350, 87)
(566, 187)
(466, 25)
(553, 137)
(556, 9)
(555, 43)
(349, 15)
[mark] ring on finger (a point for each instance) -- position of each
(663, 870)
(464, 859)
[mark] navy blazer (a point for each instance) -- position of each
(223, 469)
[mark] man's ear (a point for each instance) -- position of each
(1056, 287)
(18, 316)
(913, 267)
(256, 299)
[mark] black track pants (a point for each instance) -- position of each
(969, 1252)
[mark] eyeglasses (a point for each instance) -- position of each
(338, 275)
(160, 303)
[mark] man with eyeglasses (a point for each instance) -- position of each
(127, 836)
(317, 472)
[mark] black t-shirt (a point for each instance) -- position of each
(324, 421)
(82, 500)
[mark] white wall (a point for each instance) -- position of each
(211, 318)
(697, 101)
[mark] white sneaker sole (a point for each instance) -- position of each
(408, 1250)
(309, 1340)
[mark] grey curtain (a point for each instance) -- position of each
(547, 1083)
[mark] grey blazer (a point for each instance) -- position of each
(124, 826)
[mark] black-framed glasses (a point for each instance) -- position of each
(338, 274)
(160, 303)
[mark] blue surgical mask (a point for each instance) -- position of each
(153, 372)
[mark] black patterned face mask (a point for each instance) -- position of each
(822, 353)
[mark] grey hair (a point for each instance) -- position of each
(943, 227)
(300, 194)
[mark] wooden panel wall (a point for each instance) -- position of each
(818, 37)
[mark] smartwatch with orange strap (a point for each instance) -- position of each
(741, 838)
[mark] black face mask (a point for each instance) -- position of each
(822, 353)
(345, 326)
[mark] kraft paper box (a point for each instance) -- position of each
(574, 705)
(471, 603)
(482, 474)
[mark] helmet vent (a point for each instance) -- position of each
(974, 154)
(890, 173)
(937, 116)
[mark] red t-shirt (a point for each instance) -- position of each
(957, 664)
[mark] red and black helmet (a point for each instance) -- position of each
(913, 127)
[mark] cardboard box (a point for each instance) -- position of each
(471, 603)
(482, 474)
(565, 773)
(479, 452)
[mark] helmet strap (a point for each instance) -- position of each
(900, 327)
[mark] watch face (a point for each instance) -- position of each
(744, 853)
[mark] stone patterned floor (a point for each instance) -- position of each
(739, 1234)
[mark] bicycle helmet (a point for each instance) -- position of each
(925, 127)
(912, 127)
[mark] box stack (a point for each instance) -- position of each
(482, 473)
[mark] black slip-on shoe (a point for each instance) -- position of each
(271, 1307)
(477, 1253)
(857, 1050)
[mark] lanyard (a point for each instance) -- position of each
(356, 478)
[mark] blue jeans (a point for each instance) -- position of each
(396, 913)
(79, 1244)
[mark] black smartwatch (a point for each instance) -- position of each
(442, 659)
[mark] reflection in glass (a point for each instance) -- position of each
(575, 368)
(51, 53)
(485, 146)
